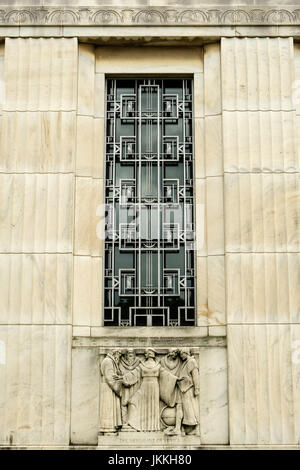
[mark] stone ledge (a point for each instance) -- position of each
(199, 447)
(149, 35)
(149, 336)
(149, 331)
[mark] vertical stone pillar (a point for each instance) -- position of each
(37, 155)
(261, 175)
(209, 194)
(210, 243)
(88, 244)
(89, 212)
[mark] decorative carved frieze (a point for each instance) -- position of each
(150, 390)
(87, 16)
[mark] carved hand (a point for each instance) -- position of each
(117, 377)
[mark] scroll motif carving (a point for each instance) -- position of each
(19, 16)
(235, 17)
(106, 17)
(149, 391)
(63, 17)
(40, 16)
(279, 16)
(192, 16)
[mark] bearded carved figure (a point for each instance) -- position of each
(128, 364)
(110, 393)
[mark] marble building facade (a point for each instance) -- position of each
(240, 363)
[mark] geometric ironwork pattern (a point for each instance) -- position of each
(149, 271)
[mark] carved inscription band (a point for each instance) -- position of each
(86, 16)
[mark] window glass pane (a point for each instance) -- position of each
(149, 246)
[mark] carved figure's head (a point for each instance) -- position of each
(184, 353)
(130, 355)
(116, 353)
(173, 353)
(150, 353)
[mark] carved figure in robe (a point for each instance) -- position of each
(144, 409)
(189, 388)
(143, 412)
(170, 394)
(110, 393)
(128, 363)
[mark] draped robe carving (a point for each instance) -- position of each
(110, 392)
(143, 408)
(128, 365)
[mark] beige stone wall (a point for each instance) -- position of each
(262, 216)
(51, 259)
(37, 161)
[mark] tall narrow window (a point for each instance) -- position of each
(149, 272)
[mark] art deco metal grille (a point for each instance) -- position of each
(149, 245)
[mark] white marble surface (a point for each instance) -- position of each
(33, 82)
(35, 384)
(264, 381)
(85, 396)
(37, 142)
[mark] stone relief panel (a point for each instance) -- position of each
(149, 390)
(114, 384)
